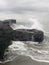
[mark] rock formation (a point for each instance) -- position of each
(7, 34)
(28, 35)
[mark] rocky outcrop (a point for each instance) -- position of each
(28, 35)
(5, 37)
(5, 41)
(7, 34)
(9, 22)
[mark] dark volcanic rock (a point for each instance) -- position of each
(7, 34)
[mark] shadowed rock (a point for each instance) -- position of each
(28, 35)
(7, 34)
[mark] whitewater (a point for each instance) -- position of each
(37, 52)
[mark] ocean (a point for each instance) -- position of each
(28, 52)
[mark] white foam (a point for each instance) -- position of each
(22, 49)
(34, 25)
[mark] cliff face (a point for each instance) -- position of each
(5, 40)
(9, 22)
(5, 35)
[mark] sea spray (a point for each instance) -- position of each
(28, 24)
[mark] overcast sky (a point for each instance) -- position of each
(14, 6)
(17, 8)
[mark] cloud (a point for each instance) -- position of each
(14, 6)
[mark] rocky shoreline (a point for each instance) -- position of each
(7, 34)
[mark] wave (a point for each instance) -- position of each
(29, 24)
(37, 52)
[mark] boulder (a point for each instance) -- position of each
(28, 35)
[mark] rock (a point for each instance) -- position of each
(5, 37)
(9, 22)
(38, 36)
(28, 35)
(5, 41)
(7, 34)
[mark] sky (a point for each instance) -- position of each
(20, 6)
(18, 9)
(35, 8)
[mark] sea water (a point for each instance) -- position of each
(37, 52)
